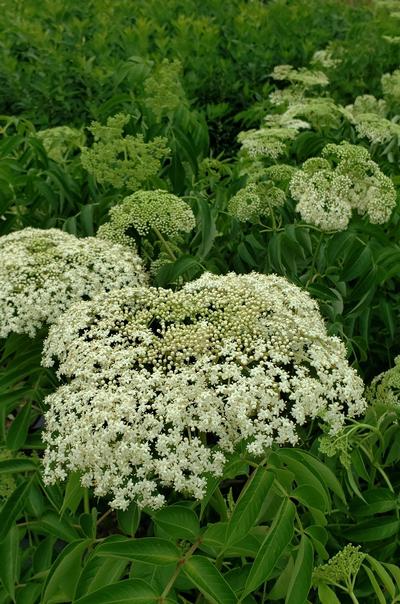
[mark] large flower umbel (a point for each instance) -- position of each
(42, 272)
(163, 385)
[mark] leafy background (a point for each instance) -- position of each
(264, 531)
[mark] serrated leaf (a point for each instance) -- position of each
(178, 521)
(18, 430)
(128, 520)
(248, 505)
(64, 574)
(300, 580)
(275, 543)
(131, 591)
(147, 549)
(207, 578)
(13, 507)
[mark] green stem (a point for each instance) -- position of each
(164, 243)
(86, 504)
(179, 566)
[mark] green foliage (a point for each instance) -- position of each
(99, 101)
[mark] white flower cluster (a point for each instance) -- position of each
(305, 77)
(325, 58)
(145, 210)
(42, 272)
(163, 385)
(368, 115)
(327, 191)
(271, 140)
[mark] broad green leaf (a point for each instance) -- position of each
(377, 501)
(248, 505)
(98, 573)
(376, 529)
(9, 550)
(13, 507)
(279, 590)
(73, 494)
(214, 541)
(321, 470)
(310, 497)
(179, 522)
(304, 475)
(300, 581)
(131, 591)
(52, 524)
(207, 578)
(327, 595)
(64, 574)
(382, 574)
(43, 555)
(275, 543)
(18, 430)
(395, 570)
(375, 585)
(14, 466)
(147, 549)
(128, 520)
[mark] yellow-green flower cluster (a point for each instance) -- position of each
(145, 210)
(163, 89)
(385, 388)
(61, 141)
(255, 200)
(391, 86)
(327, 191)
(124, 161)
(307, 78)
(343, 567)
(42, 272)
(163, 385)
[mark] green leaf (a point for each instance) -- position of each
(377, 501)
(248, 505)
(375, 585)
(131, 591)
(275, 543)
(52, 524)
(14, 466)
(13, 507)
(179, 522)
(9, 550)
(73, 494)
(383, 575)
(309, 497)
(64, 574)
(207, 578)
(300, 581)
(305, 475)
(18, 431)
(128, 520)
(326, 595)
(98, 573)
(147, 549)
(377, 529)
(321, 470)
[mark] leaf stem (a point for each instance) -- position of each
(164, 243)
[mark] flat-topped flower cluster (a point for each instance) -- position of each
(162, 385)
(327, 189)
(42, 272)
